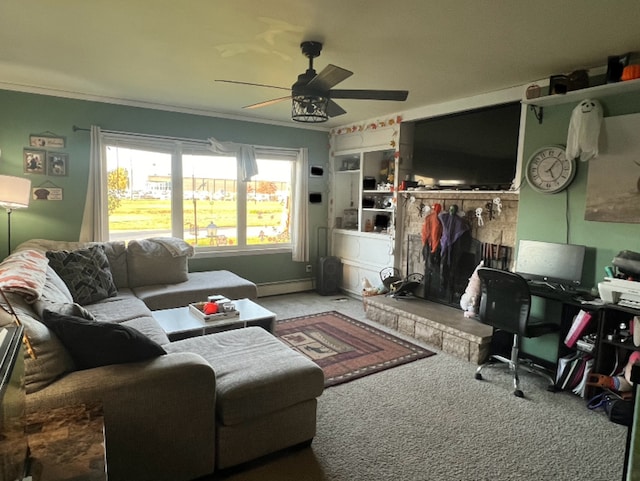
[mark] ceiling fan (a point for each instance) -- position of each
(312, 95)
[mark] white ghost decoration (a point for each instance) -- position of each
(584, 130)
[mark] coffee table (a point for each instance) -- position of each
(178, 323)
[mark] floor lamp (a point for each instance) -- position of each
(15, 193)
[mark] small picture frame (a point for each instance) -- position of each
(46, 193)
(34, 161)
(57, 163)
(47, 141)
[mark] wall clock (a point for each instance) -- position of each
(549, 171)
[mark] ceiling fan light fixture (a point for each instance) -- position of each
(309, 108)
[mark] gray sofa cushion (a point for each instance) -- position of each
(149, 327)
(256, 373)
(116, 252)
(151, 261)
(56, 297)
(127, 309)
(198, 286)
(94, 344)
(52, 360)
(123, 307)
(86, 273)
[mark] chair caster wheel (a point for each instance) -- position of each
(518, 393)
(479, 376)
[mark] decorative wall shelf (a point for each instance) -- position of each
(597, 92)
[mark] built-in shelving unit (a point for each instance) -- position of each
(597, 92)
(363, 191)
(362, 205)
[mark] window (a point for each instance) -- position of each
(174, 188)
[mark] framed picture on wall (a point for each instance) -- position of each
(49, 141)
(613, 181)
(34, 161)
(57, 163)
(46, 193)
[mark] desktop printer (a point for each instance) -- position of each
(620, 291)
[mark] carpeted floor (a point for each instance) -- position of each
(346, 349)
(430, 420)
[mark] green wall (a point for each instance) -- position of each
(544, 217)
(22, 114)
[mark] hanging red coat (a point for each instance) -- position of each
(432, 229)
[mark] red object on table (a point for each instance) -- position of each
(210, 308)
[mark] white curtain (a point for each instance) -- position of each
(246, 155)
(300, 214)
(94, 221)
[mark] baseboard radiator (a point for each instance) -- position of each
(284, 287)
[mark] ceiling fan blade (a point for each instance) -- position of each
(252, 84)
(370, 94)
(328, 77)
(333, 109)
(267, 103)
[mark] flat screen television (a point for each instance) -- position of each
(550, 262)
(475, 149)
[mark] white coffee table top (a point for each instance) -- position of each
(178, 321)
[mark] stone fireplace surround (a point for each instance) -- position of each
(501, 229)
(442, 326)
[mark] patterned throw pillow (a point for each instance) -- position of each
(86, 273)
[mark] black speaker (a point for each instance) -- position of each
(329, 275)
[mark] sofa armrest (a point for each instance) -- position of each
(159, 415)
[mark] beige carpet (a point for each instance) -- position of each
(430, 420)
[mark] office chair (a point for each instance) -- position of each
(505, 305)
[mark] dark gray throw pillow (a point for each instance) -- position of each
(94, 344)
(86, 273)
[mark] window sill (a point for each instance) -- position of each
(205, 253)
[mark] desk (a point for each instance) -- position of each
(605, 321)
(554, 306)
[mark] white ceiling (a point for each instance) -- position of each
(168, 53)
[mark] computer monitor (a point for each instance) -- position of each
(550, 262)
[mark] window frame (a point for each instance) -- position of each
(176, 148)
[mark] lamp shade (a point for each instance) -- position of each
(15, 192)
(309, 108)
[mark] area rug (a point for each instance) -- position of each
(346, 349)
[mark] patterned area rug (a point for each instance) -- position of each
(345, 348)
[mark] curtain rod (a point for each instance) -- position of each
(75, 128)
(146, 136)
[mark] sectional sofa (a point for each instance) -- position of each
(173, 411)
